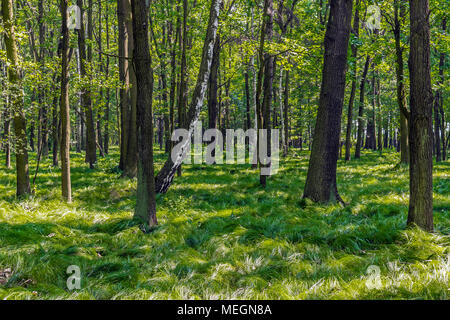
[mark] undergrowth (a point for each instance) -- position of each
(221, 236)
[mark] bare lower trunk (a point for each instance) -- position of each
(321, 185)
(420, 131)
(145, 202)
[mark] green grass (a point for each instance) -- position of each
(220, 236)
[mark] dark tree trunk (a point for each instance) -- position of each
(212, 86)
(321, 183)
(359, 138)
(107, 111)
(247, 101)
(265, 110)
(399, 15)
(64, 109)
(131, 163)
(379, 117)
(437, 126)
(370, 133)
(355, 32)
(100, 62)
(124, 78)
(6, 134)
(286, 116)
(86, 101)
(173, 85)
(41, 98)
(441, 99)
(55, 131)
(145, 201)
(420, 130)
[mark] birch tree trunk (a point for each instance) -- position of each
(165, 177)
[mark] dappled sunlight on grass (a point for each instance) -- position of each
(223, 237)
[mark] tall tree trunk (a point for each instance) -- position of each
(14, 78)
(100, 62)
(107, 107)
(437, 126)
(421, 123)
(182, 94)
(370, 133)
(86, 101)
(128, 93)
(131, 165)
(362, 85)
(165, 176)
(379, 117)
(6, 133)
(355, 32)
(173, 84)
(124, 78)
(399, 15)
(286, 115)
(321, 183)
(55, 131)
(248, 98)
(145, 202)
(41, 97)
(441, 99)
(64, 107)
(212, 86)
(265, 107)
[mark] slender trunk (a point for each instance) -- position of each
(86, 101)
(173, 85)
(7, 133)
(212, 86)
(355, 32)
(265, 108)
(379, 117)
(100, 62)
(64, 107)
(41, 97)
(359, 138)
(106, 130)
(14, 78)
(131, 165)
(55, 135)
(440, 92)
(399, 15)
(286, 115)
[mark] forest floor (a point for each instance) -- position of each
(221, 236)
